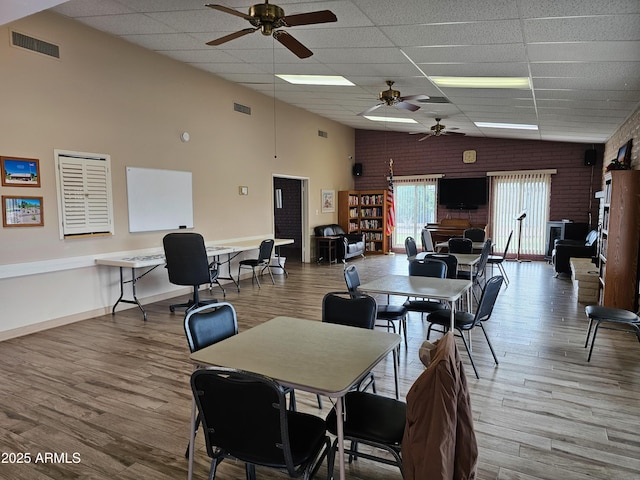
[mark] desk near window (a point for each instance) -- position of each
(316, 357)
(151, 259)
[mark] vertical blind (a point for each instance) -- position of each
(516, 192)
(415, 204)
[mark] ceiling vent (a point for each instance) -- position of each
(35, 45)
(434, 100)
(241, 108)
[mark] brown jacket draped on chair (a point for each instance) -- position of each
(439, 442)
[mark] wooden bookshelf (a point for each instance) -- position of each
(619, 242)
(365, 211)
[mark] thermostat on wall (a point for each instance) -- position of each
(469, 156)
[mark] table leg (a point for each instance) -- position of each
(135, 300)
(396, 362)
(279, 265)
(339, 428)
(192, 435)
(453, 317)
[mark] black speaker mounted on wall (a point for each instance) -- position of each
(357, 169)
(590, 157)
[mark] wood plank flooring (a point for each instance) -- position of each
(114, 389)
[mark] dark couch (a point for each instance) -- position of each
(563, 250)
(350, 244)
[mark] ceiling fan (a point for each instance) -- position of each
(392, 98)
(438, 130)
(268, 18)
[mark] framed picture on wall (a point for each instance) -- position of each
(328, 201)
(624, 153)
(18, 211)
(20, 172)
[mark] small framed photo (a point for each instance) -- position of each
(20, 172)
(328, 201)
(624, 153)
(22, 211)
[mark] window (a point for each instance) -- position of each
(415, 204)
(83, 182)
(516, 192)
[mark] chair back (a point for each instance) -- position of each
(450, 260)
(429, 267)
(474, 234)
(186, 259)
(410, 247)
(264, 253)
(352, 279)
(244, 415)
(357, 311)
(488, 299)
(460, 245)
(484, 256)
(427, 241)
(506, 248)
(210, 324)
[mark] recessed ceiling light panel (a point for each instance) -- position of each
(389, 119)
(514, 126)
(482, 82)
(328, 80)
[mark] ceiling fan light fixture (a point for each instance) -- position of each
(482, 82)
(514, 126)
(327, 80)
(373, 118)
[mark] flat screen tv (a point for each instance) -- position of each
(462, 193)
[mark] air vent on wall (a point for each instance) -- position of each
(241, 108)
(35, 45)
(323, 134)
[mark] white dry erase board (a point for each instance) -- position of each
(159, 199)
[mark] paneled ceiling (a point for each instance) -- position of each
(582, 58)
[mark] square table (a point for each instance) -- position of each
(450, 290)
(313, 356)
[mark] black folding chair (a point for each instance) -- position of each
(244, 417)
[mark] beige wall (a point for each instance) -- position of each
(107, 96)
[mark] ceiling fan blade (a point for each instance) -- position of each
(407, 106)
(369, 110)
(415, 97)
(424, 138)
(224, 9)
(321, 16)
(232, 36)
(292, 44)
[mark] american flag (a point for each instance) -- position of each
(391, 207)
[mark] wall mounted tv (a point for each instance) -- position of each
(462, 193)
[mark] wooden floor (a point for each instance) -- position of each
(114, 390)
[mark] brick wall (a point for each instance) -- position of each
(572, 187)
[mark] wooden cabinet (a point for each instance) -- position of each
(619, 245)
(365, 211)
